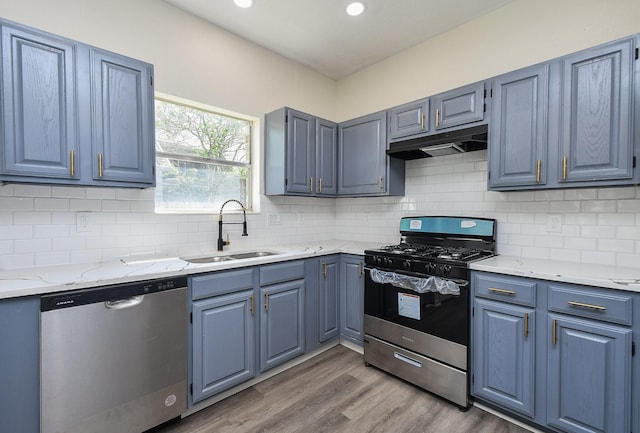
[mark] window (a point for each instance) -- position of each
(203, 158)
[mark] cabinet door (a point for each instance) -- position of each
(459, 106)
(504, 355)
(223, 343)
(596, 136)
(589, 366)
(362, 156)
(300, 152)
(328, 302)
(518, 128)
(409, 119)
(122, 119)
(281, 323)
(326, 157)
(352, 298)
(39, 131)
(20, 364)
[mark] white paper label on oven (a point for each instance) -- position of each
(467, 224)
(415, 224)
(409, 305)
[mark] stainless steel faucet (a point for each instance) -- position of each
(221, 242)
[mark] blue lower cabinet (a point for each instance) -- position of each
(589, 371)
(224, 336)
(504, 357)
(352, 298)
(329, 318)
(282, 330)
(20, 365)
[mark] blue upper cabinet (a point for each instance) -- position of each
(363, 166)
(596, 128)
(409, 119)
(459, 106)
(568, 122)
(73, 114)
(122, 119)
(38, 105)
(518, 128)
(300, 154)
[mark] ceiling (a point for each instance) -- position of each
(320, 35)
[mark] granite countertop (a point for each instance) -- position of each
(613, 277)
(50, 279)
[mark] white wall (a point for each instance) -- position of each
(519, 34)
(196, 61)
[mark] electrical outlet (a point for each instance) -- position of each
(274, 219)
(83, 222)
(554, 223)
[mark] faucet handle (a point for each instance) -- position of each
(227, 242)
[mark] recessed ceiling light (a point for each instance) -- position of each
(243, 3)
(355, 8)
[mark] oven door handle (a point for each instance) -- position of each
(460, 283)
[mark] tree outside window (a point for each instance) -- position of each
(202, 158)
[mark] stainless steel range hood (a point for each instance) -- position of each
(447, 143)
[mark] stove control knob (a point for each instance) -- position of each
(406, 264)
(377, 260)
(430, 268)
(446, 270)
(388, 262)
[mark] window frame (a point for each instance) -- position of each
(253, 155)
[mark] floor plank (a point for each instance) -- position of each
(335, 392)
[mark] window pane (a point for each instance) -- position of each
(197, 185)
(190, 131)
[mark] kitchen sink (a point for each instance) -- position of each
(228, 257)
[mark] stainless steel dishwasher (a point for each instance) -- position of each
(114, 359)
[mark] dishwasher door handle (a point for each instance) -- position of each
(119, 304)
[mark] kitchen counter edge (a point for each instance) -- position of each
(50, 279)
(613, 277)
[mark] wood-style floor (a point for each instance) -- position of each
(335, 392)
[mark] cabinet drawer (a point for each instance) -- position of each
(608, 305)
(504, 288)
(280, 272)
(220, 283)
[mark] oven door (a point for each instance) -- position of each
(443, 316)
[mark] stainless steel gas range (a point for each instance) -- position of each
(416, 302)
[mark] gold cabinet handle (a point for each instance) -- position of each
(310, 184)
(554, 337)
(360, 271)
(251, 304)
(380, 181)
(526, 324)
(538, 171)
(502, 291)
(582, 305)
(324, 269)
(320, 184)
(100, 164)
(564, 168)
(437, 116)
(72, 162)
(422, 121)
(266, 301)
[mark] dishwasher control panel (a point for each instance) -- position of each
(116, 292)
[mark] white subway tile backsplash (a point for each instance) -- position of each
(598, 225)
